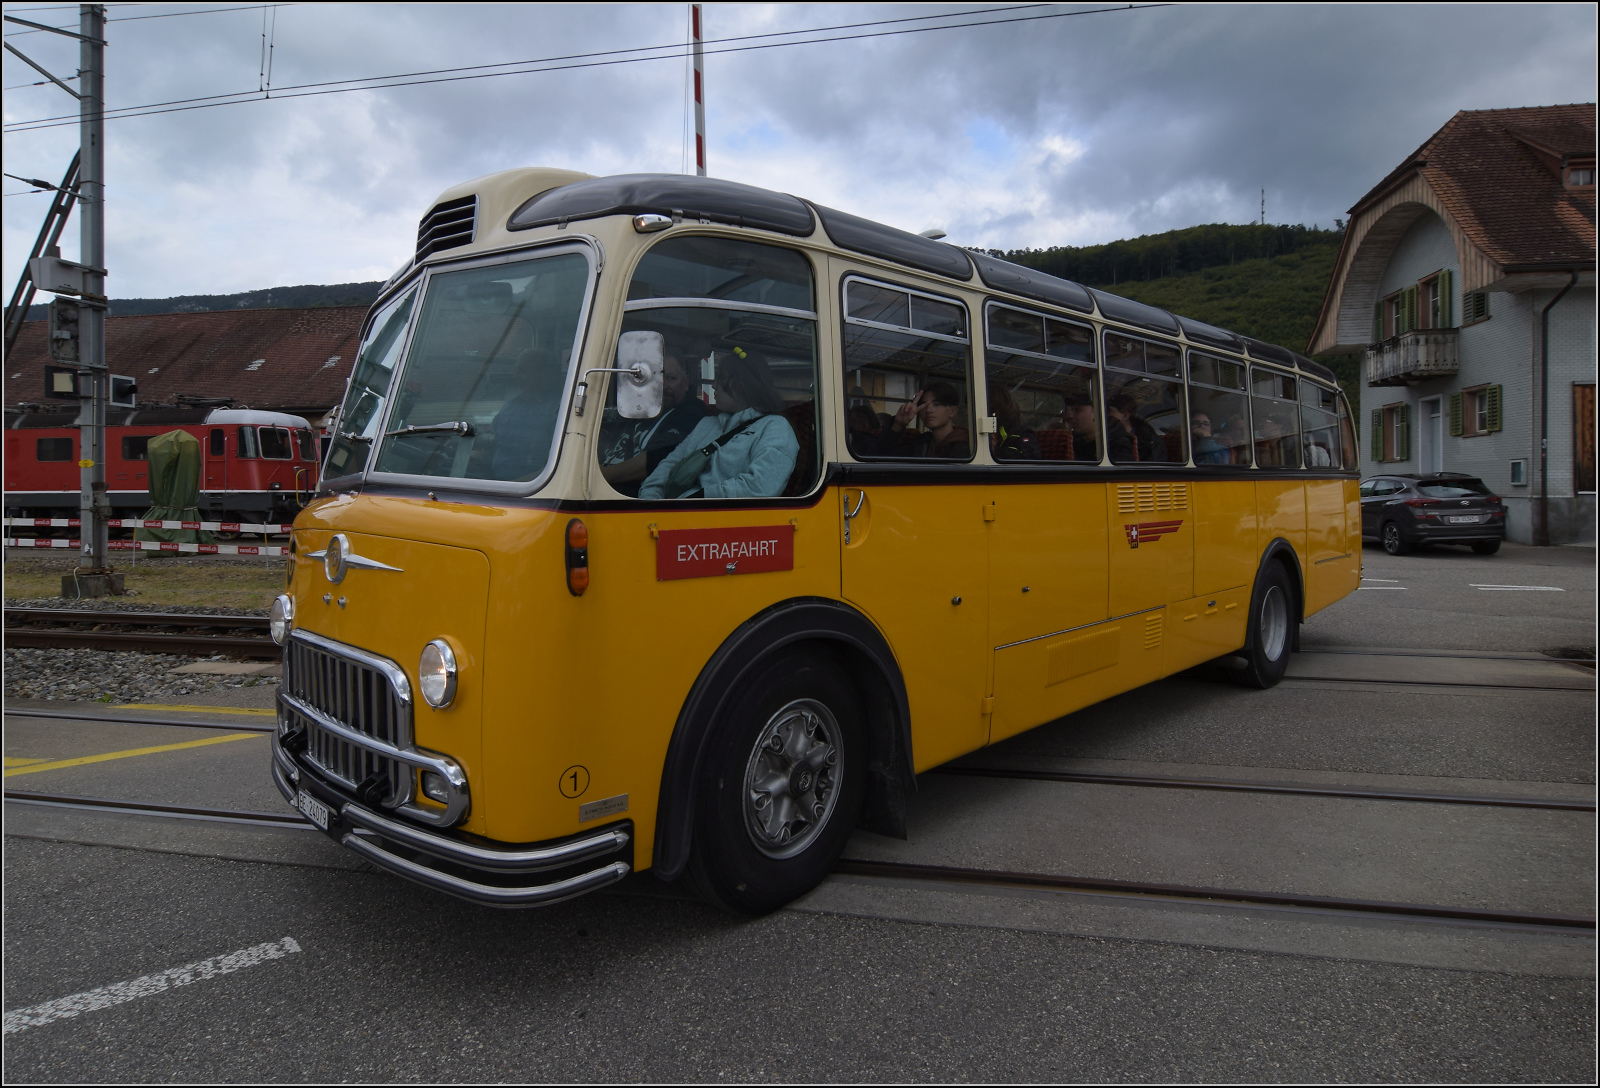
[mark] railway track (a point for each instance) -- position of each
(153, 632)
(944, 874)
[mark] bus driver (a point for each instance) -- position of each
(747, 450)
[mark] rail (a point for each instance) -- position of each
(114, 629)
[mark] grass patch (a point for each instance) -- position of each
(209, 581)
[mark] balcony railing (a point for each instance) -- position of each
(1413, 357)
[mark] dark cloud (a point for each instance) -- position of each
(1066, 131)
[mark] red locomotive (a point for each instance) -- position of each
(255, 466)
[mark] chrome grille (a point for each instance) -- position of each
(447, 226)
(360, 696)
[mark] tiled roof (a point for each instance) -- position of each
(1510, 202)
(284, 359)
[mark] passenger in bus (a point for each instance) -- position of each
(746, 450)
(865, 426)
(1316, 456)
(525, 426)
(937, 406)
(1207, 450)
(1085, 428)
(1010, 441)
(1129, 437)
(632, 448)
(1269, 442)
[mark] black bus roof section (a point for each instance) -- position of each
(1031, 283)
(676, 195)
(1129, 312)
(1200, 332)
(892, 244)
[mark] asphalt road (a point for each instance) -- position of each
(870, 979)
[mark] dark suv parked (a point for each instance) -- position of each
(1402, 512)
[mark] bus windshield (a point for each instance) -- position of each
(481, 389)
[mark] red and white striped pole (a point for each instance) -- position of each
(699, 92)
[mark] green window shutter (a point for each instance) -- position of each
(1492, 408)
(1377, 435)
(1402, 432)
(1455, 414)
(1377, 321)
(1411, 307)
(1445, 316)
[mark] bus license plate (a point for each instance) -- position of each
(312, 809)
(1470, 519)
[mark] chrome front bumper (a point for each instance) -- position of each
(521, 876)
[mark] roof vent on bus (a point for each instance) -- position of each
(447, 226)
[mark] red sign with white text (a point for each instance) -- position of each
(707, 553)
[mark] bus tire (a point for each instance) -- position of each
(1270, 634)
(781, 786)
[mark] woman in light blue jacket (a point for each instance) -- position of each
(747, 450)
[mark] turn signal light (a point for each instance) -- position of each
(577, 557)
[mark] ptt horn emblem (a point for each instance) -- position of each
(1147, 532)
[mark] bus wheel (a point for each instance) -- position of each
(781, 786)
(1266, 648)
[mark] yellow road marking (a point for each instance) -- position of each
(60, 763)
(19, 761)
(195, 709)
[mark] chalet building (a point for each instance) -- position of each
(293, 361)
(1467, 282)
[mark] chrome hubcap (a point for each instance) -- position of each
(791, 781)
(1274, 623)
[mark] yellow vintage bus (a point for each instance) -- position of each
(676, 524)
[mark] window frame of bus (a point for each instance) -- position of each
(1180, 379)
(1332, 465)
(604, 396)
(971, 406)
(989, 305)
(1293, 376)
(421, 280)
(1245, 393)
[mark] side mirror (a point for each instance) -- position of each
(641, 358)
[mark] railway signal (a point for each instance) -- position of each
(65, 330)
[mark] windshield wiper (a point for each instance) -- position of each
(465, 430)
(351, 436)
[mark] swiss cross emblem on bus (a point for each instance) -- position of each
(709, 553)
(1148, 532)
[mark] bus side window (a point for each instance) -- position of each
(219, 439)
(1145, 417)
(737, 327)
(1277, 422)
(247, 442)
(1042, 390)
(1319, 424)
(1219, 411)
(908, 374)
(1347, 437)
(53, 449)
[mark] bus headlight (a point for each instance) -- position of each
(282, 618)
(436, 674)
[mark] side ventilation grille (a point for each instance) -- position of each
(1153, 625)
(1138, 498)
(447, 226)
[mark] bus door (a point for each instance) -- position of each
(1054, 652)
(914, 542)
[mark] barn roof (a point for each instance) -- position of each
(284, 359)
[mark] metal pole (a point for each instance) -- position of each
(93, 508)
(1542, 537)
(699, 91)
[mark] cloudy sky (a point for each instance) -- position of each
(1051, 131)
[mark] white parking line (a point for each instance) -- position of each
(1380, 587)
(1528, 589)
(65, 1008)
(1364, 578)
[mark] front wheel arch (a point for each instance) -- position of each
(862, 654)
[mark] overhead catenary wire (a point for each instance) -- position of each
(686, 46)
(134, 18)
(376, 83)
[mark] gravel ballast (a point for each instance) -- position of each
(111, 676)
